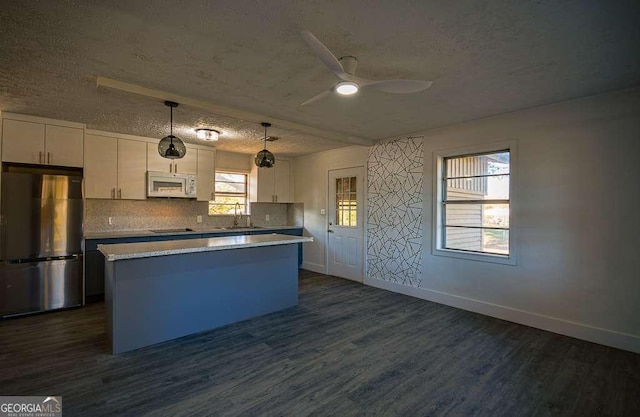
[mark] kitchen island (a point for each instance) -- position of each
(158, 291)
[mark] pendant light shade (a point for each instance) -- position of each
(264, 158)
(171, 146)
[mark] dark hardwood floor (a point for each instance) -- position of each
(346, 349)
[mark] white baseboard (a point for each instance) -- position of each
(321, 269)
(599, 335)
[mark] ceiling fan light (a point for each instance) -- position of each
(346, 88)
(209, 135)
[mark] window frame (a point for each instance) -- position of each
(246, 193)
(438, 221)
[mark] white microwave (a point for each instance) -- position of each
(165, 184)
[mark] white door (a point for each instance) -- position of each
(346, 223)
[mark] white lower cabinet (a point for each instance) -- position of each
(115, 168)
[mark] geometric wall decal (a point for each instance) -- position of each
(395, 197)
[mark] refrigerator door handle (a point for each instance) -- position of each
(40, 157)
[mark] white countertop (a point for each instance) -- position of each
(123, 251)
(195, 231)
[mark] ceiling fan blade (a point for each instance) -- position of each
(316, 97)
(398, 86)
(323, 53)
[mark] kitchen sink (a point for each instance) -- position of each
(241, 227)
(172, 230)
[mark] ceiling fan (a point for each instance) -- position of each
(345, 67)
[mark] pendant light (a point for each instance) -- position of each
(171, 147)
(264, 158)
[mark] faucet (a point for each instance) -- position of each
(237, 214)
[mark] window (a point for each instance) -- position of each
(231, 189)
(474, 213)
(346, 203)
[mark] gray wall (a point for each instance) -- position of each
(575, 221)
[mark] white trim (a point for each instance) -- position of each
(189, 145)
(581, 331)
(436, 217)
(236, 113)
(310, 266)
(42, 120)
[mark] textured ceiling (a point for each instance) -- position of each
(485, 58)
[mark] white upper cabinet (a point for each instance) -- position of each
(186, 165)
(40, 143)
(271, 185)
(206, 175)
(282, 179)
(132, 172)
(64, 146)
(100, 166)
(115, 168)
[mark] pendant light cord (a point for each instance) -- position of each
(171, 123)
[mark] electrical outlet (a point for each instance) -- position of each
(110, 220)
(323, 212)
(199, 219)
(266, 217)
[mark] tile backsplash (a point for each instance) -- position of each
(174, 213)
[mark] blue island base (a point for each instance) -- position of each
(152, 300)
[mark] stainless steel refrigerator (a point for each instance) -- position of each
(40, 242)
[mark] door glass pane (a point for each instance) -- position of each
(346, 206)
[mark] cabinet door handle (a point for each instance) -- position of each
(113, 193)
(40, 157)
(176, 170)
(212, 197)
(170, 167)
(276, 198)
(119, 192)
(48, 157)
